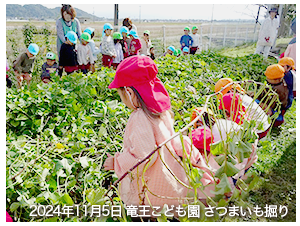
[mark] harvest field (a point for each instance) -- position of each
(58, 134)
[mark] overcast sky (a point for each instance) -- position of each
(171, 11)
(165, 10)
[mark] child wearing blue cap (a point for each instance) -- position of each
(23, 65)
(107, 46)
(95, 50)
(124, 32)
(185, 50)
(170, 50)
(68, 54)
(135, 43)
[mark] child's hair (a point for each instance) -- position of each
(116, 40)
(208, 119)
(144, 107)
(127, 22)
(92, 35)
(69, 9)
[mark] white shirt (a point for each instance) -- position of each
(268, 30)
(145, 47)
(84, 54)
(222, 128)
(196, 39)
(255, 112)
(95, 50)
(119, 51)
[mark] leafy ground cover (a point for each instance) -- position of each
(58, 134)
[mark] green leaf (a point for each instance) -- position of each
(14, 206)
(228, 168)
(64, 92)
(220, 159)
(217, 148)
(93, 91)
(102, 131)
(66, 199)
(52, 219)
(223, 187)
(95, 197)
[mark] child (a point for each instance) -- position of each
(84, 53)
(124, 32)
(254, 111)
(150, 124)
(135, 43)
(49, 67)
(275, 77)
(177, 52)
(108, 47)
(185, 50)
(220, 128)
(202, 139)
(289, 65)
(146, 43)
(68, 54)
(152, 56)
(186, 40)
(8, 81)
(23, 65)
(231, 103)
(170, 50)
(95, 50)
(119, 57)
(196, 40)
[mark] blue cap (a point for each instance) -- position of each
(124, 29)
(186, 49)
(33, 49)
(89, 30)
(133, 33)
(72, 36)
(172, 48)
(107, 26)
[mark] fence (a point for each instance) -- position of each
(163, 34)
(212, 35)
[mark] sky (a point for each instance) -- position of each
(163, 9)
(172, 11)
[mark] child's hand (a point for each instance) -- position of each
(109, 162)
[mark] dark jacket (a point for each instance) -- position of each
(68, 55)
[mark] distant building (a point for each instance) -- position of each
(83, 20)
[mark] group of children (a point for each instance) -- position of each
(81, 56)
(151, 123)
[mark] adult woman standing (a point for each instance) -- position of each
(128, 23)
(66, 23)
(267, 33)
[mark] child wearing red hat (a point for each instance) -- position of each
(231, 103)
(254, 111)
(149, 125)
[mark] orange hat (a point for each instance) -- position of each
(287, 61)
(223, 82)
(274, 71)
(199, 109)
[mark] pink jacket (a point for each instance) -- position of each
(135, 46)
(142, 135)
